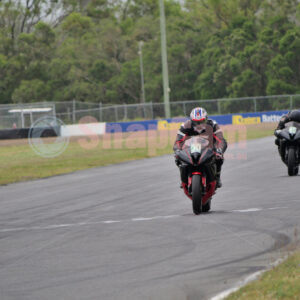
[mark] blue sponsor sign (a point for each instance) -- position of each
(235, 119)
(257, 118)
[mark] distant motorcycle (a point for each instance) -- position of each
(290, 146)
(199, 160)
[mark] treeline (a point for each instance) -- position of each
(88, 50)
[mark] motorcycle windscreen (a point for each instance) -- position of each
(196, 144)
(292, 124)
(205, 138)
(199, 143)
(195, 141)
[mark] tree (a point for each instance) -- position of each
(30, 91)
(88, 50)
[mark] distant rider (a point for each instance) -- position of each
(196, 125)
(291, 116)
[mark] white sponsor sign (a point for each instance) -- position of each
(271, 118)
(83, 129)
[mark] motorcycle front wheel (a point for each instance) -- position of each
(292, 164)
(197, 194)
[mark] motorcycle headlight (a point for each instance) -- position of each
(292, 130)
(196, 148)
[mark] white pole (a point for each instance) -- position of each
(164, 59)
(142, 72)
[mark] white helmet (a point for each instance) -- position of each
(198, 115)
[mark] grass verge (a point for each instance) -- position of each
(282, 282)
(19, 162)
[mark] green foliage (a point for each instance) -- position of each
(76, 24)
(30, 91)
(88, 50)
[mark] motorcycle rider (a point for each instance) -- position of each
(291, 116)
(196, 125)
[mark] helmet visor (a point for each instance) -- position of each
(199, 122)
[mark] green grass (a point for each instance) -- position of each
(283, 282)
(259, 132)
(19, 162)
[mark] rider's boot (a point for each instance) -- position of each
(183, 176)
(219, 164)
(219, 182)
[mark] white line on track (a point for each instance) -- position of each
(257, 209)
(247, 280)
(58, 226)
(155, 218)
(247, 210)
(140, 219)
(274, 208)
(239, 285)
(143, 219)
(109, 222)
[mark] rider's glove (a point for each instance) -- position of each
(177, 161)
(219, 153)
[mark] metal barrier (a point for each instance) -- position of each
(71, 112)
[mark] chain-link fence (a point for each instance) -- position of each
(23, 115)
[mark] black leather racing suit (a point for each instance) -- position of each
(187, 130)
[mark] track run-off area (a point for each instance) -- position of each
(127, 231)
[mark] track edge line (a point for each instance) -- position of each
(248, 279)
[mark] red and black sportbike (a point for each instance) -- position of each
(198, 162)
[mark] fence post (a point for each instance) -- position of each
(22, 119)
(125, 111)
(100, 111)
(31, 119)
(116, 113)
(151, 110)
(184, 109)
(291, 102)
(144, 110)
(255, 105)
(54, 113)
(219, 106)
(74, 111)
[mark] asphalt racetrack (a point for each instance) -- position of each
(128, 232)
